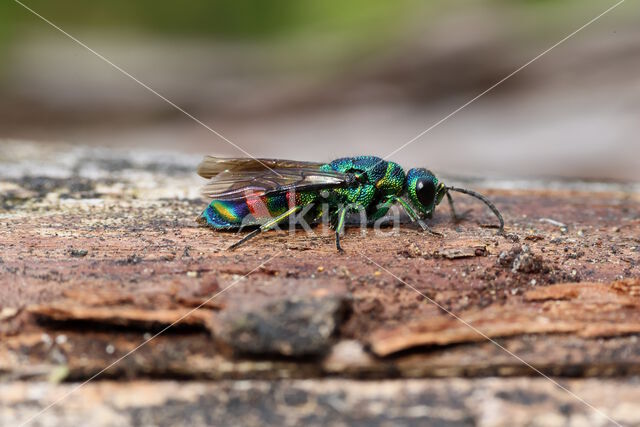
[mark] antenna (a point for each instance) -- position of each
(486, 202)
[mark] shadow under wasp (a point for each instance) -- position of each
(264, 193)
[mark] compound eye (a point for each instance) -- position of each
(426, 191)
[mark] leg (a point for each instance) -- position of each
(342, 215)
(413, 215)
(454, 215)
(453, 209)
(266, 226)
(486, 201)
(381, 211)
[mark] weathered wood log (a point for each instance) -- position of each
(100, 251)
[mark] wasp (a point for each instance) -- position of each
(264, 193)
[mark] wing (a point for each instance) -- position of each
(212, 166)
(237, 178)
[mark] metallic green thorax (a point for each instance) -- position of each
(376, 181)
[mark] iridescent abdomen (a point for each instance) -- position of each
(252, 210)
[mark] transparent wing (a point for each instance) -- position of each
(238, 178)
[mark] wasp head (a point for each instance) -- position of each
(424, 190)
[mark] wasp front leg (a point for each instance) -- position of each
(414, 217)
(455, 215)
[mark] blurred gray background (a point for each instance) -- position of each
(318, 80)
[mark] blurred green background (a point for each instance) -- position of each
(323, 79)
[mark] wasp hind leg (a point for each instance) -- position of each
(266, 226)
